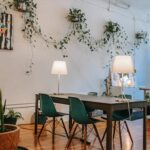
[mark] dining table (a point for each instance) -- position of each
(105, 103)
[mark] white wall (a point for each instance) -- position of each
(85, 68)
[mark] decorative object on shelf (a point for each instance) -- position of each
(79, 30)
(141, 37)
(114, 39)
(108, 85)
(59, 68)
(6, 31)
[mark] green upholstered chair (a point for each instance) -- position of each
(80, 116)
(48, 110)
(118, 117)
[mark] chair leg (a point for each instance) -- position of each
(64, 127)
(128, 131)
(120, 133)
(82, 131)
(99, 139)
(53, 131)
(71, 136)
(85, 136)
(41, 131)
(114, 129)
(104, 134)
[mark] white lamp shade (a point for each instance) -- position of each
(59, 67)
(123, 64)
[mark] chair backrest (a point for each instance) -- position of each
(126, 96)
(78, 111)
(47, 106)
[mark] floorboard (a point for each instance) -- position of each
(29, 140)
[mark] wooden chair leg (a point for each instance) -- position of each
(71, 136)
(120, 133)
(85, 136)
(41, 131)
(128, 131)
(53, 131)
(97, 134)
(82, 131)
(64, 127)
(104, 134)
(114, 129)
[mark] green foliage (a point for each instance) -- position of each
(2, 128)
(141, 37)
(76, 15)
(79, 29)
(12, 114)
(114, 40)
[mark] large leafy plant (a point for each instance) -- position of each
(2, 111)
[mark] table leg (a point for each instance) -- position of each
(144, 128)
(109, 131)
(36, 114)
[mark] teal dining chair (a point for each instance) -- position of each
(118, 117)
(48, 110)
(80, 116)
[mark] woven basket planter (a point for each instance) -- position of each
(9, 140)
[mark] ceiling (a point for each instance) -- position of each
(138, 4)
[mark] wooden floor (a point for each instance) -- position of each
(27, 138)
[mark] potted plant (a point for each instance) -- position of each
(9, 134)
(11, 117)
(20, 5)
(141, 37)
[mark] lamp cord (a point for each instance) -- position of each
(123, 96)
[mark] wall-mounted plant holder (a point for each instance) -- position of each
(21, 5)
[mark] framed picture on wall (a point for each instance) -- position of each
(6, 31)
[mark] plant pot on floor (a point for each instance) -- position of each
(10, 138)
(10, 120)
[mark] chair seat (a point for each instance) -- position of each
(59, 114)
(115, 117)
(91, 121)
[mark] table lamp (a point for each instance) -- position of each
(123, 65)
(59, 68)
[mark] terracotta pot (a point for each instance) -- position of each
(9, 140)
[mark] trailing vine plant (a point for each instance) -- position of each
(114, 37)
(141, 37)
(79, 29)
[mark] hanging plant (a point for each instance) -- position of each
(31, 25)
(141, 37)
(114, 39)
(79, 29)
(21, 5)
